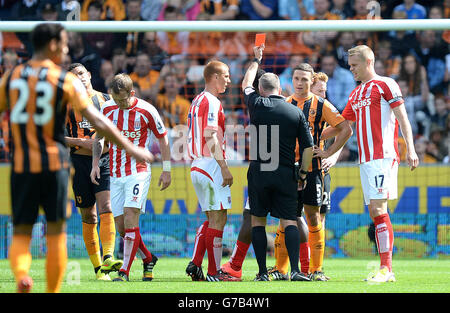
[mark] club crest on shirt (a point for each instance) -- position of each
(137, 124)
(211, 117)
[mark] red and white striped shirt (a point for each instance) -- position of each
(137, 123)
(205, 112)
(370, 104)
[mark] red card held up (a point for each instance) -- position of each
(260, 39)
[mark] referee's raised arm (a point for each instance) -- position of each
(253, 68)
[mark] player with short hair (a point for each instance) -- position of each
(377, 107)
(37, 95)
(130, 179)
(279, 271)
(210, 174)
(318, 111)
(90, 197)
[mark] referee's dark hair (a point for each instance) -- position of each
(43, 33)
(304, 67)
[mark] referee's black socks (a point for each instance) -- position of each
(292, 241)
(259, 241)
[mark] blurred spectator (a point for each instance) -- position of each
(81, 52)
(286, 76)
(340, 81)
(101, 41)
(362, 13)
(48, 12)
(391, 63)
(442, 109)
(436, 11)
(341, 8)
(411, 102)
(131, 41)
(380, 69)
(421, 146)
(290, 9)
(173, 107)
(150, 9)
(438, 148)
(360, 9)
(233, 53)
(9, 60)
(220, 10)
(144, 75)
(321, 41)
(150, 45)
(412, 9)
(401, 41)
(173, 42)
(188, 9)
(120, 62)
(416, 76)
(107, 74)
(346, 40)
(431, 55)
(258, 10)
(112, 10)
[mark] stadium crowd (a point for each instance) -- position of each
(166, 68)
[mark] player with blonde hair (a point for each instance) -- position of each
(210, 174)
(377, 107)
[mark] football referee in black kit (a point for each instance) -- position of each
(273, 182)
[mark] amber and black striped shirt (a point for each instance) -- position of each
(78, 126)
(318, 112)
(37, 94)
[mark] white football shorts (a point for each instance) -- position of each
(379, 179)
(207, 180)
(129, 192)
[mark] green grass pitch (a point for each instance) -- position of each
(413, 276)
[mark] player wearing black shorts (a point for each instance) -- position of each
(37, 95)
(272, 183)
(319, 112)
(88, 196)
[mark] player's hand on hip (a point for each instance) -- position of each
(164, 180)
(227, 177)
(319, 153)
(413, 160)
(95, 174)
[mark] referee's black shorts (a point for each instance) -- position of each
(83, 189)
(30, 191)
(273, 192)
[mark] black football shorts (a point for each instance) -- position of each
(83, 189)
(31, 191)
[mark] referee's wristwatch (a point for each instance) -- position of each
(256, 60)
